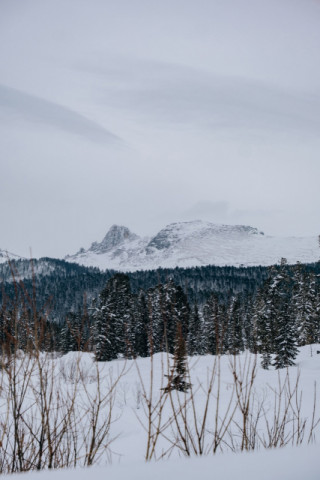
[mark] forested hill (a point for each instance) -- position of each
(59, 287)
(199, 282)
(64, 287)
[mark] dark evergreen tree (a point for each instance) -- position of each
(250, 325)
(155, 300)
(178, 375)
(177, 314)
(194, 338)
(141, 326)
(113, 319)
(76, 333)
(285, 338)
(214, 327)
(304, 303)
(103, 335)
(264, 317)
(235, 333)
(167, 306)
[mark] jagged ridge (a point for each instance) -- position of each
(116, 236)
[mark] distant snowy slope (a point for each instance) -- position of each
(195, 243)
(5, 256)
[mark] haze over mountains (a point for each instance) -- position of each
(195, 243)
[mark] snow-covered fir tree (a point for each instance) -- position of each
(234, 338)
(285, 336)
(178, 377)
(305, 305)
(76, 333)
(141, 326)
(167, 306)
(214, 326)
(194, 346)
(113, 317)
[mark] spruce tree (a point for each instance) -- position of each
(263, 320)
(177, 313)
(194, 332)
(286, 345)
(234, 342)
(155, 300)
(76, 332)
(167, 306)
(214, 327)
(305, 305)
(178, 376)
(114, 319)
(285, 340)
(141, 326)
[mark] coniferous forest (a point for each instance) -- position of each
(211, 310)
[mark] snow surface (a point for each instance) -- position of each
(285, 464)
(196, 243)
(128, 448)
(131, 443)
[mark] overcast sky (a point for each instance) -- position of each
(145, 112)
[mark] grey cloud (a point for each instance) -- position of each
(178, 94)
(23, 106)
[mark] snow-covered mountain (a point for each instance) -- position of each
(195, 243)
(2, 256)
(116, 236)
(5, 256)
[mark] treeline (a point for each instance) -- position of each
(64, 287)
(264, 310)
(61, 287)
(282, 315)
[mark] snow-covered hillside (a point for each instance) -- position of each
(5, 256)
(195, 243)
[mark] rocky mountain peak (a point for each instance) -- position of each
(5, 256)
(116, 236)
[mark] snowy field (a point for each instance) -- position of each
(207, 418)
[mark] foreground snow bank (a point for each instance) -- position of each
(283, 464)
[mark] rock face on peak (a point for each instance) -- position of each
(196, 243)
(116, 236)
